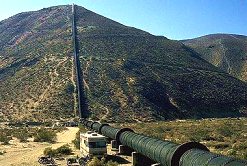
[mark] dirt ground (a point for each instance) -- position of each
(26, 154)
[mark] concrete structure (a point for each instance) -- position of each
(125, 150)
(140, 160)
(114, 145)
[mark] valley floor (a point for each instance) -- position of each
(227, 136)
(26, 154)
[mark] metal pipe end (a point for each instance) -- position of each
(120, 132)
(93, 124)
(88, 124)
(183, 148)
(102, 125)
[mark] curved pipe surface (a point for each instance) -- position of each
(199, 157)
(164, 152)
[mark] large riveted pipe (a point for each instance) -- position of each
(164, 152)
(199, 157)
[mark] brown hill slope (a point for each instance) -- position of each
(134, 75)
(226, 51)
(35, 65)
(129, 74)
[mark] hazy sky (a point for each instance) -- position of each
(175, 19)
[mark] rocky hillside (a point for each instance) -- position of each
(36, 65)
(129, 74)
(226, 51)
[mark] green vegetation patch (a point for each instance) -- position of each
(224, 136)
(45, 135)
(62, 150)
(96, 162)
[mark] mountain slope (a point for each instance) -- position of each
(226, 51)
(129, 74)
(35, 65)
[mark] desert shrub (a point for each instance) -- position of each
(76, 141)
(232, 152)
(226, 130)
(22, 137)
(245, 155)
(21, 134)
(199, 135)
(218, 138)
(49, 152)
(45, 135)
(96, 162)
(4, 138)
(223, 136)
(221, 145)
(62, 150)
(111, 163)
(242, 146)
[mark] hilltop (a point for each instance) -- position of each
(129, 74)
(226, 51)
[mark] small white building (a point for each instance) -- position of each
(93, 144)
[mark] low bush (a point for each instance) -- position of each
(49, 152)
(45, 135)
(22, 135)
(221, 145)
(226, 130)
(5, 139)
(76, 141)
(63, 150)
(199, 135)
(96, 162)
(223, 136)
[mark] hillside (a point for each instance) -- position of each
(35, 50)
(129, 74)
(226, 51)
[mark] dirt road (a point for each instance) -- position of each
(26, 154)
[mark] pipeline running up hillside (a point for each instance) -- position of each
(164, 152)
(82, 100)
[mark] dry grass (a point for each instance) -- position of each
(224, 136)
